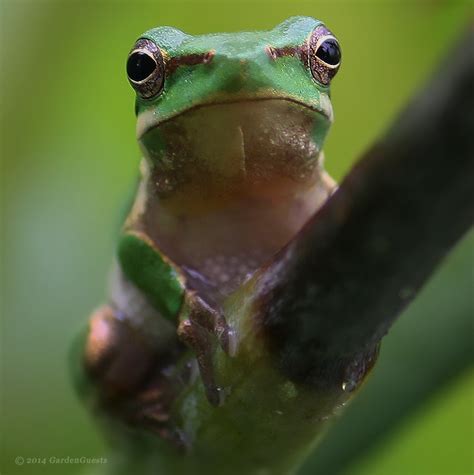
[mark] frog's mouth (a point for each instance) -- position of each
(235, 182)
(151, 118)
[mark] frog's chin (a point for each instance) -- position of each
(235, 145)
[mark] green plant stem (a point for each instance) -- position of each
(364, 256)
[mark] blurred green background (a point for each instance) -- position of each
(69, 158)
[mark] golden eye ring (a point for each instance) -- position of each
(324, 55)
(146, 69)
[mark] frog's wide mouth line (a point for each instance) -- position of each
(147, 120)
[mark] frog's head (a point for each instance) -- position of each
(235, 108)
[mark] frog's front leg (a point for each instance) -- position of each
(165, 287)
(131, 349)
(197, 329)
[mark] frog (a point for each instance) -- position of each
(231, 128)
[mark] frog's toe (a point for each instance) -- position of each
(212, 320)
(227, 337)
(198, 339)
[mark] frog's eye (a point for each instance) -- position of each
(324, 55)
(145, 68)
(329, 52)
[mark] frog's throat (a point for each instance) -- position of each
(236, 146)
(150, 118)
(216, 246)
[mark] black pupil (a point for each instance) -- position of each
(140, 66)
(329, 52)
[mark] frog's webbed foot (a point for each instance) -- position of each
(197, 331)
(129, 375)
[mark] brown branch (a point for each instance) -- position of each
(334, 292)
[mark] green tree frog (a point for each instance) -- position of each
(231, 127)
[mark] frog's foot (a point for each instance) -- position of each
(197, 331)
(127, 374)
(149, 409)
(116, 357)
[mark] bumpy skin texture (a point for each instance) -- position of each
(232, 148)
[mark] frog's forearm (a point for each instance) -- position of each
(149, 270)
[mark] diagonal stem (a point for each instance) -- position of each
(337, 288)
